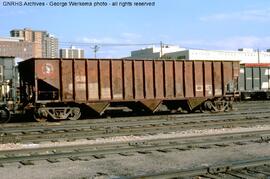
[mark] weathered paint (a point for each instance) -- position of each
(116, 80)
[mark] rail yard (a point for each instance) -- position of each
(231, 144)
(134, 89)
(122, 118)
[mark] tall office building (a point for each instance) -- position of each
(71, 52)
(51, 46)
(45, 45)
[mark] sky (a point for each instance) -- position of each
(193, 24)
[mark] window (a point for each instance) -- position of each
(181, 57)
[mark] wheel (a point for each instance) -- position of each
(202, 108)
(207, 105)
(221, 106)
(4, 115)
(75, 114)
(40, 115)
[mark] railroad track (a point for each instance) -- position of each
(240, 107)
(134, 126)
(111, 121)
(99, 151)
(254, 105)
(247, 169)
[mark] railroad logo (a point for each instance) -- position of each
(47, 69)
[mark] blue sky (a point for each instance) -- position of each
(196, 24)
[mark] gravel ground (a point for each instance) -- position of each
(115, 165)
(138, 164)
(135, 138)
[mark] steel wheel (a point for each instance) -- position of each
(4, 115)
(75, 115)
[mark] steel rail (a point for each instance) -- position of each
(161, 145)
(133, 121)
(229, 169)
(137, 129)
(261, 109)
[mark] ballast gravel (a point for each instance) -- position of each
(131, 138)
(118, 166)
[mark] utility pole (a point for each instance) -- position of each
(258, 55)
(161, 46)
(95, 49)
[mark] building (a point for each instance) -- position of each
(154, 52)
(45, 45)
(244, 55)
(71, 52)
(16, 47)
(51, 46)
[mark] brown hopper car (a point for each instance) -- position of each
(61, 88)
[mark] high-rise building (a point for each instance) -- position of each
(51, 46)
(16, 47)
(45, 45)
(71, 52)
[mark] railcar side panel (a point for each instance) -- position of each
(217, 75)
(264, 73)
(105, 79)
(47, 80)
(208, 79)
(198, 71)
(93, 80)
(227, 75)
(256, 78)
(138, 79)
(67, 80)
(188, 76)
(248, 78)
(149, 79)
(169, 79)
(117, 79)
(179, 84)
(128, 80)
(80, 80)
(159, 79)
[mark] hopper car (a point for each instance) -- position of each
(65, 88)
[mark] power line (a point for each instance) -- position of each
(108, 44)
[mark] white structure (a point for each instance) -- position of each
(242, 55)
(71, 52)
(11, 39)
(154, 52)
(51, 46)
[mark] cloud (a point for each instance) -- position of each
(106, 50)
(98, 40)
(130, 37)
(125, 37)
(261, 15)
(231, 43)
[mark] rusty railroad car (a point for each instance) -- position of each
(61, 88)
